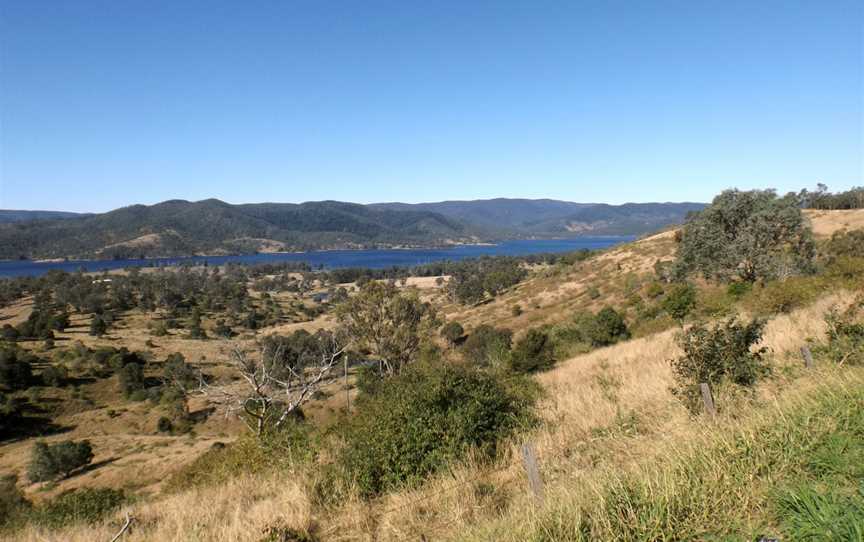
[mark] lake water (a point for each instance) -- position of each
(375, 259)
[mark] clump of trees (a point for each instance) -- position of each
(720, 355)
(475, 280)
(55, 461)
(748, 235)
(821, 198)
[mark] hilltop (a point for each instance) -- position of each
(183, 228)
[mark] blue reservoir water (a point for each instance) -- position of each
(374, 259)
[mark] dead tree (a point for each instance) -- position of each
(276, 385)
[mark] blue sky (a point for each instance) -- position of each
(106, 103)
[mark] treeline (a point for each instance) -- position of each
(822, 199)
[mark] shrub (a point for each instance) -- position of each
(717, 355)
(487, 345)
(98, 326)
(738, 289)
(82, 505)
(131, 379)
(158, 329)
(177, 371)
(164, 425)
(15, 369)
(423, 419)
(453, 332)
(846, 334)
(223, 330)
(9, 333)
(10, 415)
(54, 375)
(845, 243)
(534, 352)
(680, 301)
(655, 289)
(608, 327)
(52, 461)
(785, 296)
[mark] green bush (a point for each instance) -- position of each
(15, 368)
(82, 505)
(164, 425)
(98, 326)
(845, 243)
(785, 296)
(53, 461)
(532, 353)
(739, 289)
(452, 332)
(488, 346)
(54, 375)
(423, 419)
(679, 301)
(717, 355)
(608, 327)
(846, 334)
(131, 379)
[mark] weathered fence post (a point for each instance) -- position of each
(347, 390)
(529, 458)
(808, 357)
(708, 399)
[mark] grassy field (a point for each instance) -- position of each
(608, 421)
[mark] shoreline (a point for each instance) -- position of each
(75, 259)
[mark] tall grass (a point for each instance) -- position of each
(607, 416)
(794, 471)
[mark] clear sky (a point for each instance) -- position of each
(109, 103)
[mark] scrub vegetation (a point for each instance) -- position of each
(282, 403)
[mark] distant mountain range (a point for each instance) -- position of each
(26, 216)
(178, 227)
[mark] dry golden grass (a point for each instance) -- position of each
(584, 429)
(237, 511)
(825, 223)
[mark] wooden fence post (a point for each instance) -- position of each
(529, 458)
(708, 399)
(808, 357)
(347, 391)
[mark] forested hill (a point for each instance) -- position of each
(174, 228)
(178, 227)
(546, 217)
(7, 216)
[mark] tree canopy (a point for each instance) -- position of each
(748, 235)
